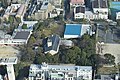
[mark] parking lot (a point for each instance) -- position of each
(109, 35)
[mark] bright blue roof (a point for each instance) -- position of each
(73, 29)
(115, 5)
(115, 2)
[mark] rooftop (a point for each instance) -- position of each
(80, 9)
(10, 51)
(54, 39)
(44, 5)
(22, 35)
(77, 1)
(99, 4)
(73, 29)
(60, 67)
(115, 5)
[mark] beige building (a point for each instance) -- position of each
(21, 11)
(44, 11)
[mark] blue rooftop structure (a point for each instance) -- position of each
(73, 29)
(114, 7)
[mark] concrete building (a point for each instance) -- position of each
(99, 10)
(79, 12)
(11, 10)
(60, 72)
(17, 10)
(18, 37)
(76, 30)
(100, 7)
(21, 11)
(43, 11)
(51, 44)
(9, 61)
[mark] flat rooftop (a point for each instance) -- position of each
(22, 35)
(73, 29)
(8, 51)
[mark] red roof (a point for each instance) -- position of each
(77, 1)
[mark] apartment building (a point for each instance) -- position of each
(99, 10)
(59, 72)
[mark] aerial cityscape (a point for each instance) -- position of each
(59, 39)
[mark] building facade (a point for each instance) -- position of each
(60, 72)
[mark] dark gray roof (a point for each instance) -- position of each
(80, 9)
(95, 4)
(99, 4)
(22, 35)
(55, 43)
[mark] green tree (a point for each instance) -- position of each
(27, 55)
(11, 19)
(31, 41)
(96, 61)
(109, 59)
(71, 54)
(24, 26)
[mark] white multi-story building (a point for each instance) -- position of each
(9, 62)
(59, 72)
(99, 10)
(117, 15)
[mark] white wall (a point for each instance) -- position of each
(101, 10)
(118, 15)
(71, 36)
(79, 15)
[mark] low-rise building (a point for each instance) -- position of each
(15, 9)
(99, 10)
(17, 38)
(43, 11)
(76, 30)
(60, 72)
(51, 44)
(21, 11)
